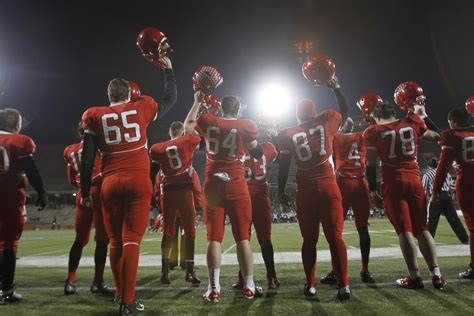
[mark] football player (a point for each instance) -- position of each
(349, 156)
(318, 198)
(457, 144)
(175, 158)
(119, 132)
(225, 188)
(395, 142)
(256, 176)
(17, 168)
(83, 222)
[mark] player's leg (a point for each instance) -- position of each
(174, 256)
(466, 202)
(188, 215)
(262, 219)
(101, 246)
(361, 207)
(82, 224)
(11, 221)
(308, 221)
(434, 213)
(113, 216)
(170, 202)
(417, 205)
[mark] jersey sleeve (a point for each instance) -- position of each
(202, 123)
(418, 124)
(445, 161)
(445, 142)
(197, 191)
(269, 151)
(157, 189)
(89, 124)
(150, 106)
(154, 153)
(251, 132)
(369, 137)
(193, 141)
(333, 119)
(25, 147)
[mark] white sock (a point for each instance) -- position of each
(214, 282)
(414, 273)
(435, 271)
(249, 282)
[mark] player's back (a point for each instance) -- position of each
(72, 156)
(175, 158)
(396, 143)
(311, 144)
(226, 141)
(255, 169)
(121, 132)
(349, 153)
(12, 148)
(461, 141)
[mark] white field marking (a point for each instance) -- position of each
(45, 253)
(234, 245)
(143, 253)
(347, 233)
(382, 235)
(393, 245)
(194, 289)
(152, 239)
(31, 238)
(351, 247)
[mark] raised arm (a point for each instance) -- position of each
(89, 150)
(343, 106)
(283, 171)
(191, 118)
(433, 132)
(170, 94)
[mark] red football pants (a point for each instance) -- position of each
(261, 210)
(12, 211)
(319, 201)
(405, 203)
(86, 216)
(227, 197)
(355, 193)
(179, 202)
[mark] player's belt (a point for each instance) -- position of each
(177, 186)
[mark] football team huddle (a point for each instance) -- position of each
(117, 175)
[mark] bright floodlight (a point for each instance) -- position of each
(273, 99)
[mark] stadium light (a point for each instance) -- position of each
(273, 99)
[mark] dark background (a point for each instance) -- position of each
(60, 55)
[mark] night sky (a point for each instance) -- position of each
(60, 55)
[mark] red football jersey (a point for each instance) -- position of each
(121, 132)
(255, 169)
(456, 145)
(349, 154)
(226, 141)
(310, 144)
(12, 148)
(175, 158)
(396, 143)
(72, 157)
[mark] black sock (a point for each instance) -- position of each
(189, 251)
(165, 265)
(364, 243)
(267, 254)
(8, 269)
(100, 257)
(75, 255)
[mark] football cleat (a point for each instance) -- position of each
(250, 294)
(273, 283)
(70, 288)
(212, 296)
(102, 289)
(344, 293)
(239, 285)
(165, 278)
(128, 309)
(309, 290)
(407, 94)
(366, 277)
(329, 279)
(192, 278)
(439, 282)
(138, 304)
(319, 69)
(11, 296)
(409, 283)
(468, 274)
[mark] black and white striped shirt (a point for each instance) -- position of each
(428, 179)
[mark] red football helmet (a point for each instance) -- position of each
(319, 69)
(470, 105)
(367, 102)
(305, 109)
(407, 94)
(134, 90)
(207, 79)
(153, 44)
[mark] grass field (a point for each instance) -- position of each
(42, 287)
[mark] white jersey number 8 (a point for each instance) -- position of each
(173, 156)
(468, 149)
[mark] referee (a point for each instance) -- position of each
(445, 204)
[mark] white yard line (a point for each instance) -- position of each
(46, 253)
